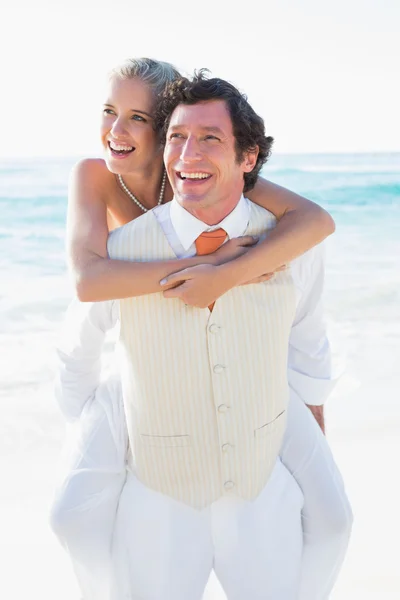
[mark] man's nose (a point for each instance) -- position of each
(190, 151)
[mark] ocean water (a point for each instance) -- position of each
(362, 192)
(362, 299)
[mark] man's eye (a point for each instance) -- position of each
(175, 135)
(211, 137)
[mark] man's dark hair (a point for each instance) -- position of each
(248, 127)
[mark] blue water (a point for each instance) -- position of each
(362, 192)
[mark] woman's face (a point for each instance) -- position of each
(127, 134)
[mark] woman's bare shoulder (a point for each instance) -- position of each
(91, 171)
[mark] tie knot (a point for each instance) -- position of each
(209, 241)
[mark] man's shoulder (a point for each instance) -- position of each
(138, 224)
(256, 209)
(260, 220)
(138, 229)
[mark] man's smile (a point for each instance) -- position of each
(195, 177)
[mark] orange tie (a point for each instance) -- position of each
(208, 242)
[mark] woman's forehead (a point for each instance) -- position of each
(130, 90)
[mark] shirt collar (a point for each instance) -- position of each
(188, 228)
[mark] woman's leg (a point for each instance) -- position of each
(84, 509)
(327, 516)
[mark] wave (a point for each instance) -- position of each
(367, 195)
(348, 170)
(33, 195)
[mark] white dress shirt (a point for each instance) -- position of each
(310, 371)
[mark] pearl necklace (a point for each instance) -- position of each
(136, 201)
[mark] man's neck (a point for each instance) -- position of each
(212, 215)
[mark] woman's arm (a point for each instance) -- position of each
(96, 277)
(302, 224)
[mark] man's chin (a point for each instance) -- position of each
(192, 200)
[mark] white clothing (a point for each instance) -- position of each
(86, 506)
(168, 549)
(84, 509)
(305, 451)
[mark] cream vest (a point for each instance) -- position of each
(205, 393)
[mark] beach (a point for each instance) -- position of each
(362, 299)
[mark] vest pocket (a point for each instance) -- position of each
(165, 441)
(269, 427)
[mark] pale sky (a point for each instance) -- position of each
(324, 75)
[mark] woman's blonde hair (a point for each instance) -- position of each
(155, 73)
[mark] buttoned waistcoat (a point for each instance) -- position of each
(205, 393)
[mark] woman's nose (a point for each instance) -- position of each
(118, 128)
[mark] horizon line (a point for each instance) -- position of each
(277, 153)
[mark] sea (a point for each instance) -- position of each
(362, 300)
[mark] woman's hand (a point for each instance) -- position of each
(202, 285)
(197, 286)
(265, 277)
(233, 249)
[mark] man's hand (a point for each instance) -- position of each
(318, 412)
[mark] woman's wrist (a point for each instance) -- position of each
(207, 259)
(228, 273)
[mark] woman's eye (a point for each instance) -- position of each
(108, 111)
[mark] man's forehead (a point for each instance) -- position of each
(211, 115)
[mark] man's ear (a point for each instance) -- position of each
(250, 160)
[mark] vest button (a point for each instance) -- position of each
(229, 485)
(226, 447)
(218, 368)
(222, 408)
(214, 328)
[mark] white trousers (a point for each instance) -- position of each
(89, 507)
(165, 550)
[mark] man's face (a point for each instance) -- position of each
(201, 161)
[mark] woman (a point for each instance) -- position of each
(101, 199)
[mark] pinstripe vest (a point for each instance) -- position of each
(205, 393)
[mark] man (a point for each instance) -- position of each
(206, 390)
